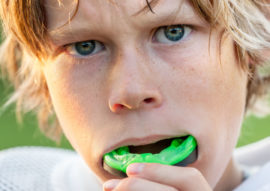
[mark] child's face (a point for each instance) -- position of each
(143, 86)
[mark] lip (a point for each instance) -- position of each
(135, 141)
(109, 171)
(141, 141)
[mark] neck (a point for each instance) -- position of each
(231, 178)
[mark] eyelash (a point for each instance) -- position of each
(186, 29)
(72, 48)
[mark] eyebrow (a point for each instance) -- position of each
(149, 6)
(65, 32)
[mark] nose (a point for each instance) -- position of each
(128, 99)
(133, 86)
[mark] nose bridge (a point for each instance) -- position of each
(132, 86)
(130, 67)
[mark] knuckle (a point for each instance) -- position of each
(194, 173)
(130, 182)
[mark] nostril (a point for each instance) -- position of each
(117, 106)
(148, 100)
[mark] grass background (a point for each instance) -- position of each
(13, 134)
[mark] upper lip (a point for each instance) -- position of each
(137, 141)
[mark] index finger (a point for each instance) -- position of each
(182, 178)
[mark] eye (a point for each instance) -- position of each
(172, 34)
(85, 48)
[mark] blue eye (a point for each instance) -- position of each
(172, 34)
(85, 48)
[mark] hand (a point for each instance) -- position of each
(157, 177)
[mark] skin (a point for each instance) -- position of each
(138, 90)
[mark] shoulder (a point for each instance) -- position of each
(255, 158)
(255, 154)
(25, 168)
(260, 181)
(35, 151)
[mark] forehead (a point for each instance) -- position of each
(59, 12)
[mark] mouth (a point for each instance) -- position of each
(180, 151)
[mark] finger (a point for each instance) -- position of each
(135, 184)
(181, 178)
(110, 184)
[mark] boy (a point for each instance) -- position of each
(134, 73)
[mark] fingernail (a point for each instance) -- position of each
(110, 185)
(135, 168)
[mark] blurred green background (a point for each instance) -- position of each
(14, 134)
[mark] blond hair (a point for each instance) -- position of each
(26, 47)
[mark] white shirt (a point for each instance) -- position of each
(260, 181)
(51, 169)
(44, 169)
(255, 158)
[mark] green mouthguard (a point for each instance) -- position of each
(179, 149)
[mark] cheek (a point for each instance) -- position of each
(207, 95)
(74, 95)
(203, 84)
